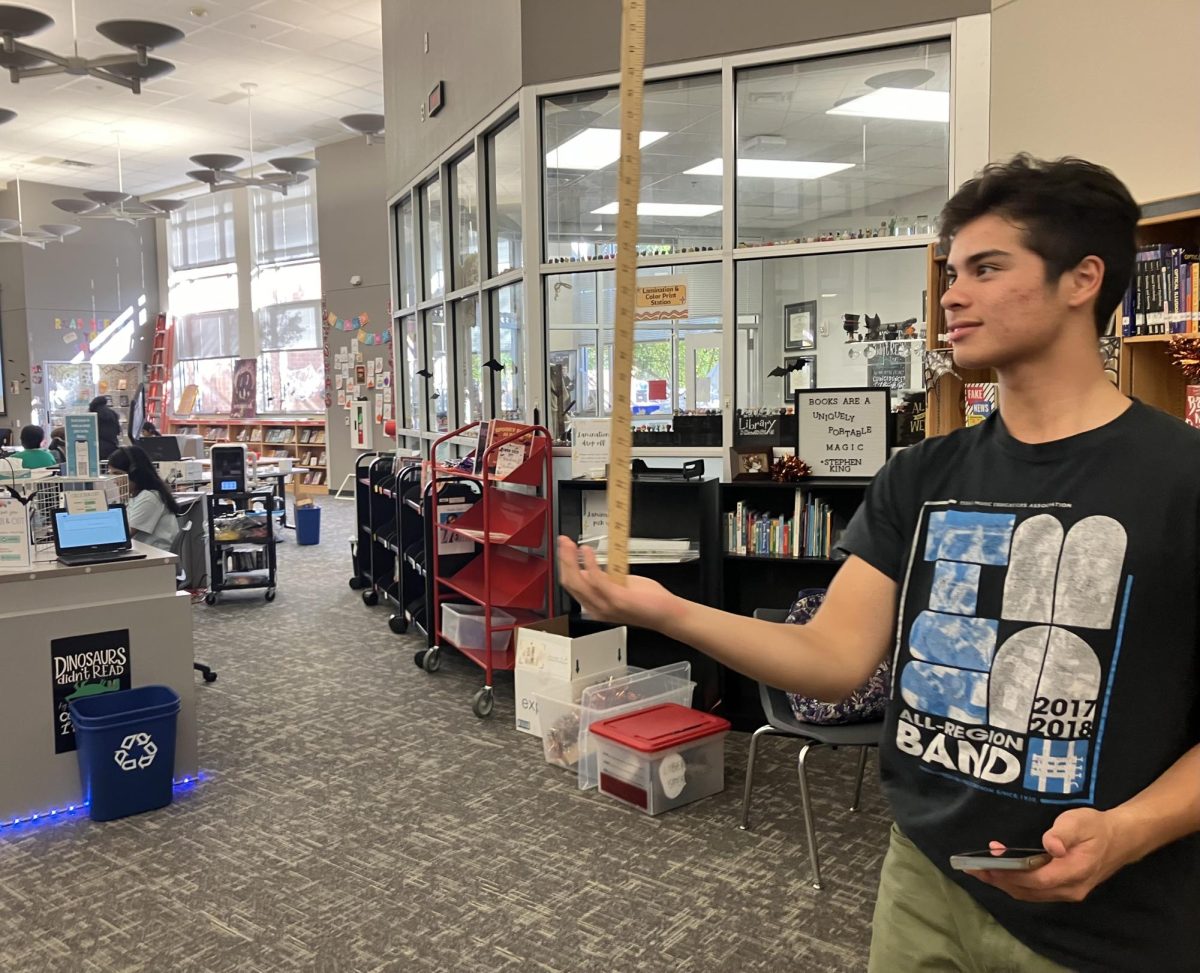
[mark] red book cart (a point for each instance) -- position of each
(479, 600)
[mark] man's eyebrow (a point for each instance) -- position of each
(978, 258)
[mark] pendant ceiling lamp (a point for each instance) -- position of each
(367, 123)
(216, 168)
(128, 70)
(14, 231)
(107, 204)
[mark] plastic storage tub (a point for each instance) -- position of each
(559, 714)
(661, 758)
(666, 684)
(126, 749)
(464, 626)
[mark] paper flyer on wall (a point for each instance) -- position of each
(83, 450)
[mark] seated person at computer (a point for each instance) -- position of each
(33, 456)
(152, 509)
(149, 429)
(58, 443)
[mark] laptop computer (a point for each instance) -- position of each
(96, 537)
(161, 449)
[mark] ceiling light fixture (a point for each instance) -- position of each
(216, 168)
(664, 209)
(593, 148)
(902, 104)
(772, 168)
(367, 123)
(105, 204)
(13, 231)
(140, 36)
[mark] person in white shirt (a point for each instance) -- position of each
(152, 510)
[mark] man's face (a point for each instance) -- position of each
(1000, 310)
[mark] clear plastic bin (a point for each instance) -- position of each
(666, 684)
(661, 758)
(559, 714)
(464, 626)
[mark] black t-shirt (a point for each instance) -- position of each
(1046, 659)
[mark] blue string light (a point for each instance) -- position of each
(65, 813)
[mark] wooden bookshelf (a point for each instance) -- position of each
(1146, 370)
(302, 440)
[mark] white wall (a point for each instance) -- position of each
(1111, 81)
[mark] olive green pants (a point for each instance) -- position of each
(924, 923)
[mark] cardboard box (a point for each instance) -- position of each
(552, 663)
(547, 647)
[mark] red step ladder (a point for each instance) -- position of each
(158, 375)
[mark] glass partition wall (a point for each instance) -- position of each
(787, 204)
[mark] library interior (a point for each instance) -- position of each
(638, 485)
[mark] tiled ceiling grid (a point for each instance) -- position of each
(313, 61)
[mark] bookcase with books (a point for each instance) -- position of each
(301, 440)
(674, 539)
(1163, 302)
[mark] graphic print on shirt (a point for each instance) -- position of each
(1014, 628)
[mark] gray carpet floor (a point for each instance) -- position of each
(356, 816)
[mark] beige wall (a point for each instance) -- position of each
(1112, 81)
(474, 47)
(576, 38)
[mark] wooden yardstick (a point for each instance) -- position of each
(633, 60)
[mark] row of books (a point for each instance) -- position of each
(1164, 294)
(315, 437)
(813, 530)
(314, 478)
(313, 459)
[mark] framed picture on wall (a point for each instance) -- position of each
(804, 377)
(800, 326)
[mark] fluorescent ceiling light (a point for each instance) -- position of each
(909, 104)
(593, 148)
(772, 168)
(829, 295)
(664, 209)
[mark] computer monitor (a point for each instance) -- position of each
(161, 449)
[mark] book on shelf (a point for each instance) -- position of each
(979, 401)
(1164, 292)
(647, 550)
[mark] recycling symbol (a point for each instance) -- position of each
(127, 760)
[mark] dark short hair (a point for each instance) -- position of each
(32, 436)
(1067, 208)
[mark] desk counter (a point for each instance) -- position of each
(51, 617)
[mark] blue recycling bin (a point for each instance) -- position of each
(308, 525)
(126, 748)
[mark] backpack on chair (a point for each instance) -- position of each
(866, 703)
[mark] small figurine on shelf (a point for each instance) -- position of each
(873, 326)
(850, 326)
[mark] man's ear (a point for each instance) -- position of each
(1082, 282)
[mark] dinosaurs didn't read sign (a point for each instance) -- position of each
(85, 665)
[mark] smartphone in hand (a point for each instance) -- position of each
(1010, 859)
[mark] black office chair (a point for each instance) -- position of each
(781, 721)
(181, 579)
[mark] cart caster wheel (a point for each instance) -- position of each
(357, 584)
(483, 702)
(398, 624)
(433, 660)
(270, 595)
(210, 677)
(419, 659)
(210, 598)
(370, 598)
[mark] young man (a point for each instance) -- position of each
(1035, 578)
